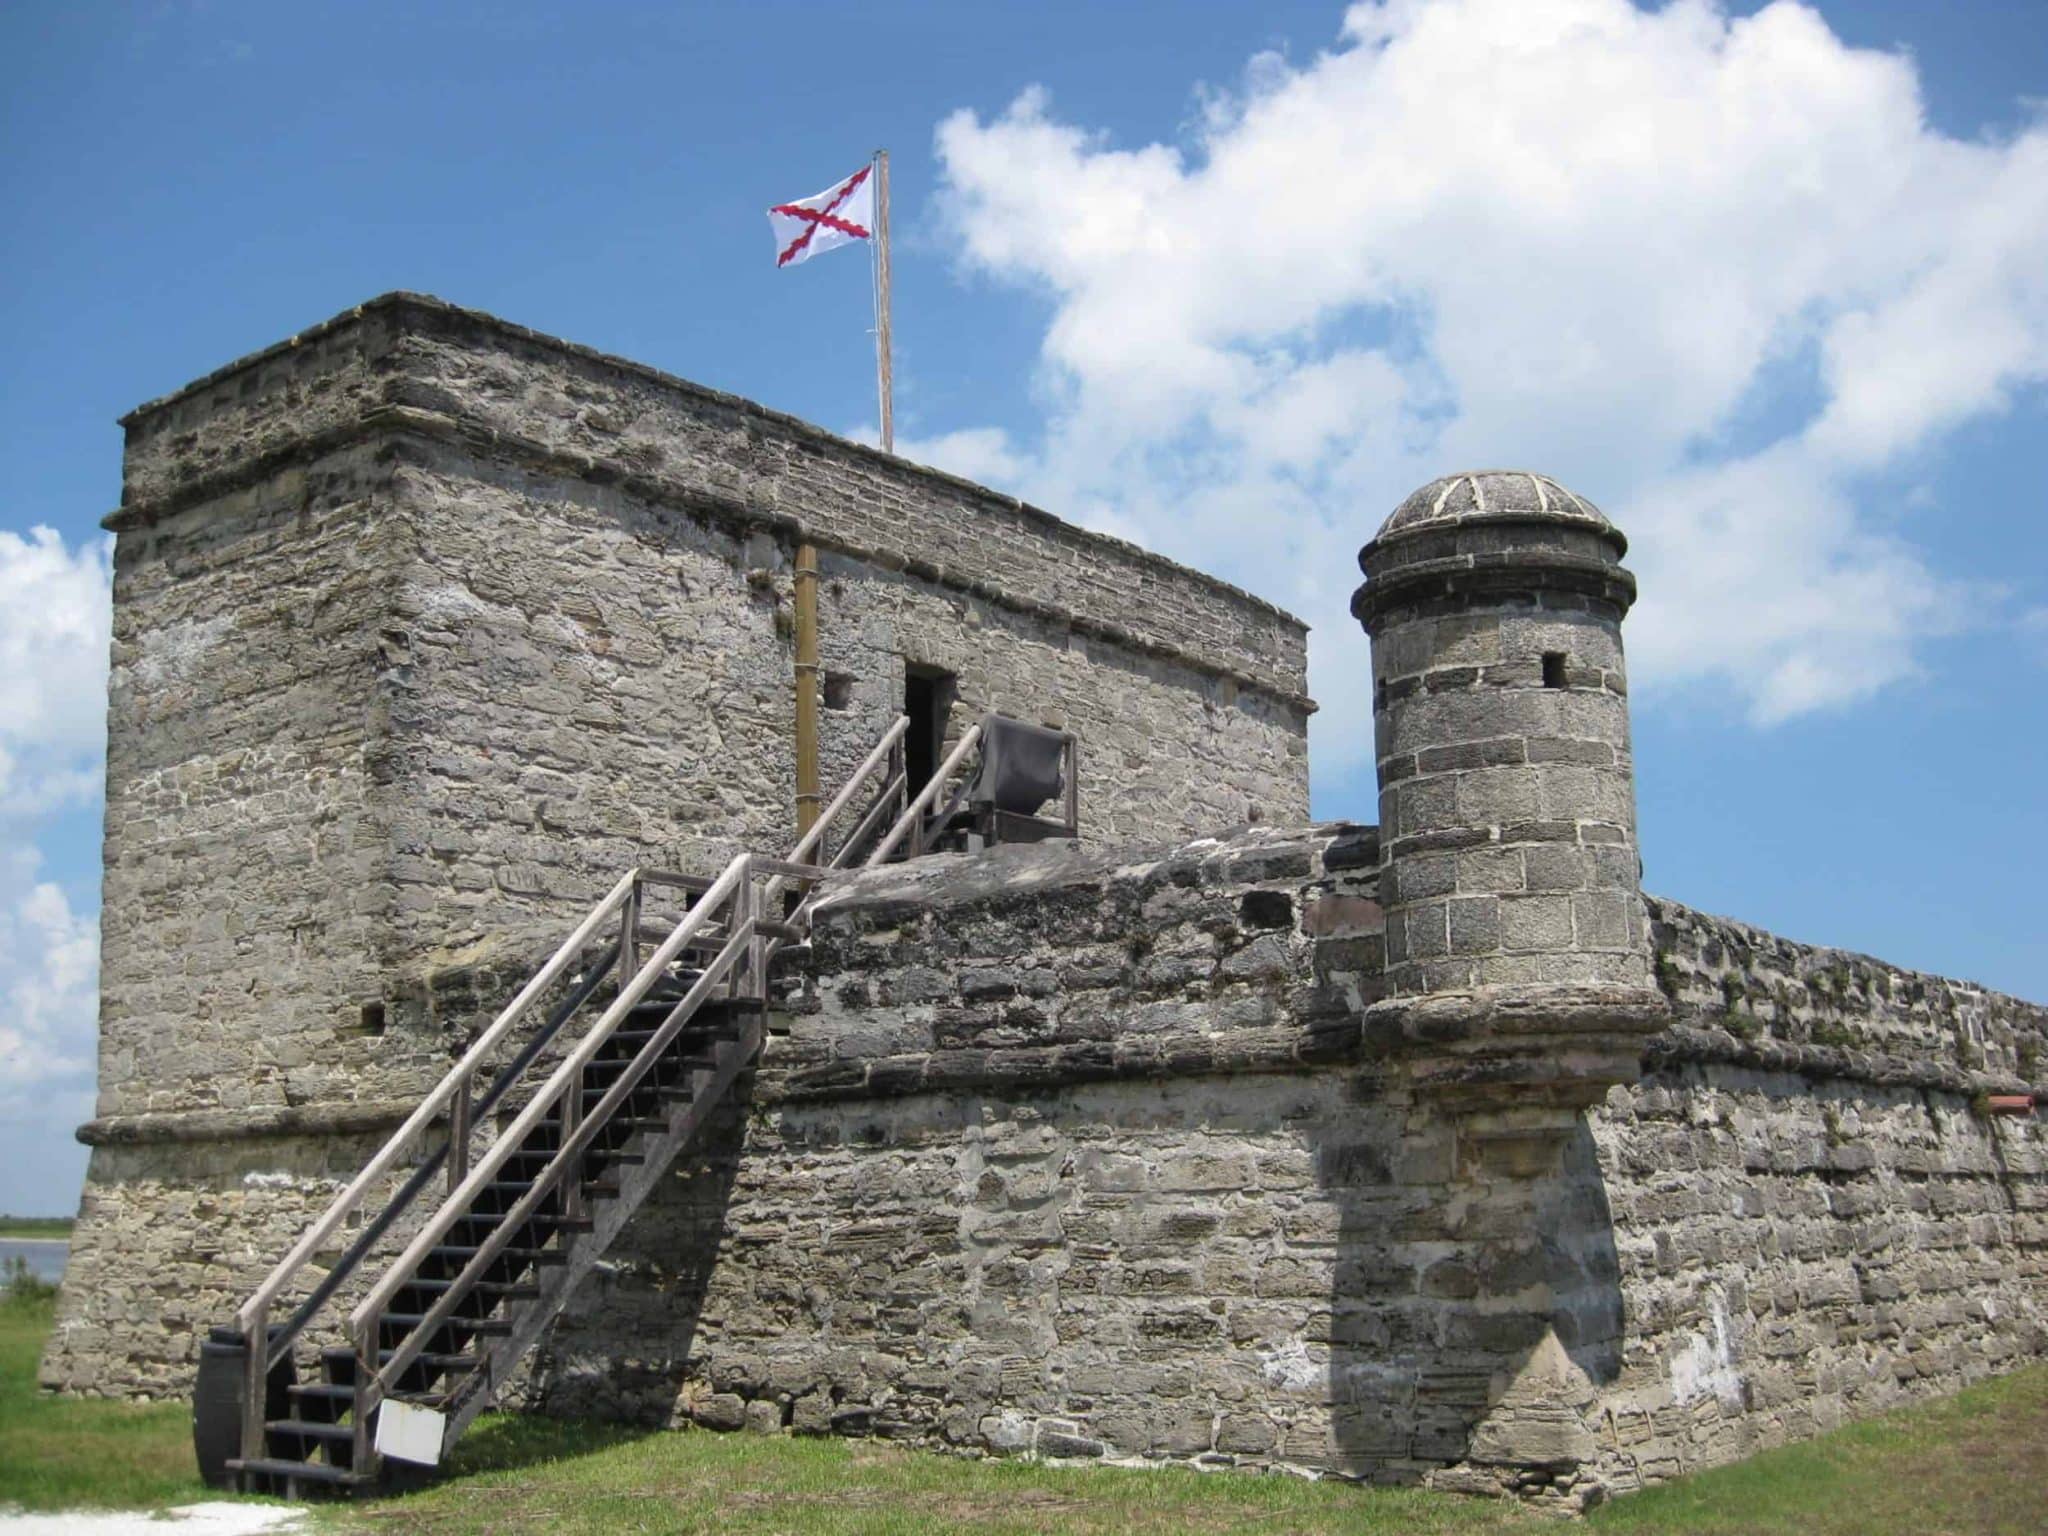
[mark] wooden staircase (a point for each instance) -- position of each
(526, 1183)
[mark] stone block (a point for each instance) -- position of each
(1490, 871)
(1541, 923)
(1342, 917)
(1065, 1444)
(1475, 926)
(721, 1410)
(1495, 797)
(1555, 867)
(1427, 930)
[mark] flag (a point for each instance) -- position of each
(833, 218)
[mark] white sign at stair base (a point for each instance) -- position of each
(408, 1432)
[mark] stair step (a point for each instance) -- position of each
(641, 1089)
(488, 1223)
(424, 1357)
(338, 1392)
(306, 1429)
(699, 1027)
(298, 1471)
(477, 1325)
(533, 1255)
(435, 1359)
(516, 1188)
(504, 1290)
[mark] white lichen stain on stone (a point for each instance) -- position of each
(172, 652)
(1291, 1367)
(257, 1179)
(1706, 1367)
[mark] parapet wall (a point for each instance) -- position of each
(1088, 1155)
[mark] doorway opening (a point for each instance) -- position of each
(927, 700)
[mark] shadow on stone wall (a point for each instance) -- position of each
(624, 1342)
(1476, 1308)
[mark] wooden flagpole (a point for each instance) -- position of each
(882, 347)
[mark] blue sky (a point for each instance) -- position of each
(1228, 279)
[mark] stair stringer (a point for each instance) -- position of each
(735, 1057)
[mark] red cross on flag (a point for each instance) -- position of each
(812, 225)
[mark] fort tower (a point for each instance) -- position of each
(1507, 798)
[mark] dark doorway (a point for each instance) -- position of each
(928, 700)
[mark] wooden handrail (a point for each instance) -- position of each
(574, 1144)
(485, 1170)
(807, 845)
(388, 1156)
(891, 796)
(925, 796)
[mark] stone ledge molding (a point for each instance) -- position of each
(1461, 578)
(245, 1124)
(1688, 1044)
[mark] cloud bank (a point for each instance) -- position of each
(50, 957)
(55, 618)
(1719, 275)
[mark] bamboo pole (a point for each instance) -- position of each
(807, 687)
(883, 360)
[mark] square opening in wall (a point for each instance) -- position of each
(1553, 669)
(838, 690)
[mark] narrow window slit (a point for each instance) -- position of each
(1553, 669)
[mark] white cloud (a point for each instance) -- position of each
(49, 970)
(55, 617)
(1566, 234)
(984, 455)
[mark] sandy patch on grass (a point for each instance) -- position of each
(187, 1520)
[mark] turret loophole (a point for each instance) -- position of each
(1553, 669)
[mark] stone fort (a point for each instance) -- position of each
(1432, 1151)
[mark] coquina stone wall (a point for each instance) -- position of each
(427, 627)
(1091, 1156)
(1817, 1214)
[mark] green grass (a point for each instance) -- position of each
(1975, 1464)
(58, 1453)
(58, 1227)
(526, 1475)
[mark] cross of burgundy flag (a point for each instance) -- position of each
(810, 226)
